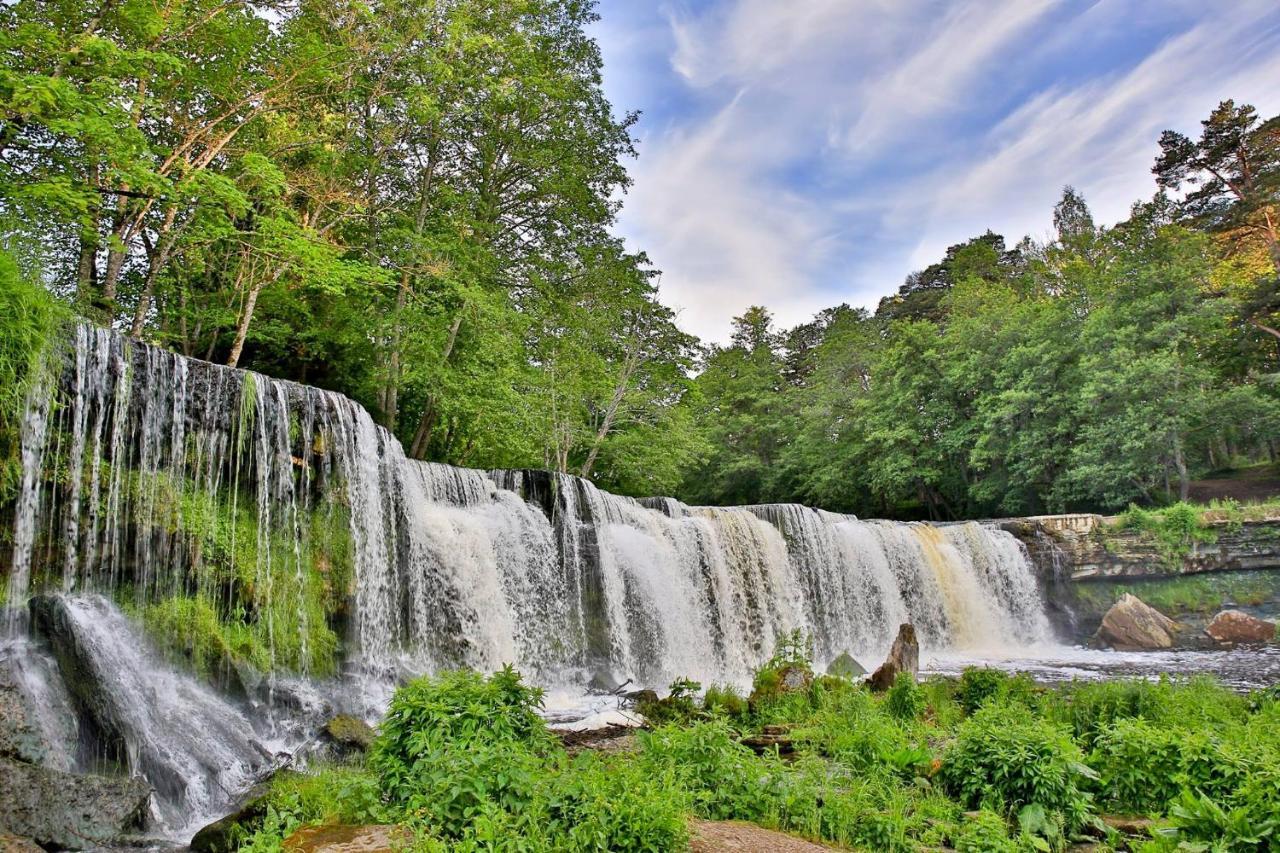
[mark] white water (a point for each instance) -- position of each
(452, 567)
(196, 749)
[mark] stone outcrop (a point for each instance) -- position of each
(68, 811)
(844, 666)
(1236, 626)
(904, 656)
(1084, 546)
(1133, 625)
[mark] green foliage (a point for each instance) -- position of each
(1205, 593)
(1173, 529)
(322, 795)
(985, 832)
(434, 720)
(978, 685)
(905, 700)
(1005, 758)
(680, 704)
(723, 700)
(29, 317)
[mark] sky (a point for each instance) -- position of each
(799, 154)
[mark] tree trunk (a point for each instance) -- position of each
(246, 315)
(422, 435)
(157, 261)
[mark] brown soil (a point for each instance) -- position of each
(729, 836)
(1244, 485)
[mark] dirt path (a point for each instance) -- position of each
(729, 836)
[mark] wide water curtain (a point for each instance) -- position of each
(239, 517)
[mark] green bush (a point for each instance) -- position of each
(1006, 759)
(722, 778)
(985, 832)
(905, 700)
(433, 719)
(679, 705)
(324, 795)
(598, 805)
(1174, 529)
(723, 700)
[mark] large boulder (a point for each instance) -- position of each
(904, 656)
(1236, 626)
(37, 721)
(228, 833)
(67, 811)
(844, 666)
(1133, 625)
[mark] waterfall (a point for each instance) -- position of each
(148, 476)
(195, 749)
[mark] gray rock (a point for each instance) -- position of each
(69, 811)
(1133, 625)
(904, 656)
(844, 666)
(37, 721)
(229, 833)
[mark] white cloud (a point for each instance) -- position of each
(762, 176)
(1099, 136)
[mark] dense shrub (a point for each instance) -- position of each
(598, 805)
(905, 700)
(1006, 759)
(723, 700)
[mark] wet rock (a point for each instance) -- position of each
(904, 656)
(68, 811)
(37, 722)
(639, 698)
(844, 666)
(793, 678)
(228, 833)
(348, 839)
(1133, 625)
(1236, 626)
(348, 735)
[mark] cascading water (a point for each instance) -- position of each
(149, 477)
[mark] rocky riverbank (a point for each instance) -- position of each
(1088, 563)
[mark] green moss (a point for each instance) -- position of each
(30, 317)
(1201, 593)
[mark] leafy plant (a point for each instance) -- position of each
(905, 700)
(1005, 758)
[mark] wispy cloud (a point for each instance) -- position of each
(803, 154)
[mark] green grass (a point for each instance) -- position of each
(1185, 594)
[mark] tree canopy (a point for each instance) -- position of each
(414, 203)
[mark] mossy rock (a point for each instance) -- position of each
(351, 733)
(844, 666)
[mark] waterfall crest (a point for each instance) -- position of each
(178, 477)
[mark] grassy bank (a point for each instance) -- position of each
(987, 762)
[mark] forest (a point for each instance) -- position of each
(416, 206)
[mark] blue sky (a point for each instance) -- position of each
(803, 153)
